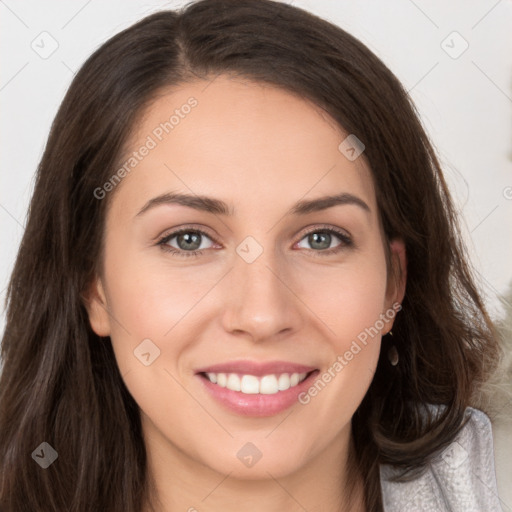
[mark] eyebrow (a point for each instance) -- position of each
(218, 207)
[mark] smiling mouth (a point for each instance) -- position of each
(270, 384)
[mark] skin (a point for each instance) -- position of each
(260, 150)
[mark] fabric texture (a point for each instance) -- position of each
(461, 479)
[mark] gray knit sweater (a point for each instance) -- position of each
(461, 479)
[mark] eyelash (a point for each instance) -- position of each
(346, 241)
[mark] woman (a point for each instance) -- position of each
(242, 285)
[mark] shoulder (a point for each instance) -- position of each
(461, 479)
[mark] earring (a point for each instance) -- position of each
(393, 353)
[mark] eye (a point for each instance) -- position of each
(321, 240)
(190, 242)
(185, 242)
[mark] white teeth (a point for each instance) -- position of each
(222, 380)
(268, 385)
(233, 382)
(284, 382)
(251, 385)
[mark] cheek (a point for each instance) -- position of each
(150, 297)
(349, 297)
(149, 300)
(350, 301)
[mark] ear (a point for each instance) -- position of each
(97, 308)
(397, 280)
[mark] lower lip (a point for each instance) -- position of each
(257, 405)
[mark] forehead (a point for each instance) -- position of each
(247, 143)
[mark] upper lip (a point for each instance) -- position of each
(256, 368)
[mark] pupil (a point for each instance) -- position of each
(320, 240)
(191, 241)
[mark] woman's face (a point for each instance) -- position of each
(268, 282)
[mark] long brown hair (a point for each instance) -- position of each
(60, 383)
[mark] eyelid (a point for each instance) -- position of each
(325, 227)
(185, 228)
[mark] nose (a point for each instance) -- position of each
(261, 301)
